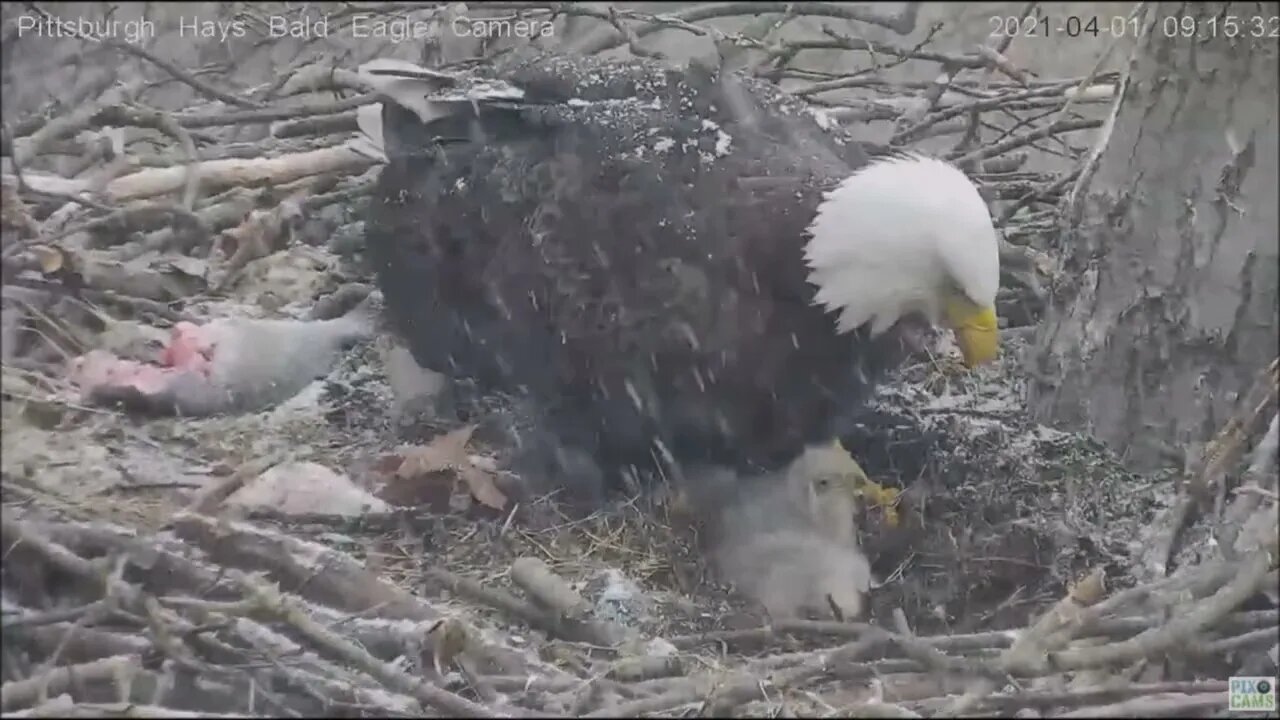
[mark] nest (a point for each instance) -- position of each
(145, 605)
(1030, 572)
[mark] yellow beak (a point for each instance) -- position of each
(977, 331)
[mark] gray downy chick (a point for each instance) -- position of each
(794, 572)
(226, 365)
(817, 491)
(788, 540)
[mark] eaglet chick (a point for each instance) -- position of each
(791, 572)
(789, 542)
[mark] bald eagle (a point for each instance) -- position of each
(677, 266)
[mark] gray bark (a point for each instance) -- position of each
(1167, 306)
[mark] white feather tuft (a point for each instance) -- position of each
(888, 239)
(369, 141)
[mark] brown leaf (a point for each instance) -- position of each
(448, 452)
(482, 487)
(445, 452)
(407, 484)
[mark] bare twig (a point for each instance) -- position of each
(902, 23)
(1014, 143)
(56, 681)
(1176, 705)
(144, 117)
(1179, 630)
(1073, 208)
(633, 41)
(913, 132)
(1218, 458)
(271, 603)
(191, 120)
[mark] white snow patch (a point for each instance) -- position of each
(723, 141)
(658, 647)
(336, 539)
(621, 600)
(1048, 434)
(821, 117)
(664, 144)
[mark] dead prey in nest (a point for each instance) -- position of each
(231, 365)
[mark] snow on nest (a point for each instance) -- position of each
(988, 401)
(723, 139)
(1023, 490)
(822, 118)
(985, 397)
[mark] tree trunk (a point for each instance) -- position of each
(1167, 307)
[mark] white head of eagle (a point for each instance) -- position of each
(908, 235)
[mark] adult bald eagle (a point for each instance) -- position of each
(675, 265)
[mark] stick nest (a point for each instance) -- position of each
(1030, 572)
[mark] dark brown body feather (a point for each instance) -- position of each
(612, 260)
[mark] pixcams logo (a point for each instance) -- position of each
(1252, 694)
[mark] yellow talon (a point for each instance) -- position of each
(884, 498)
(874, 493)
